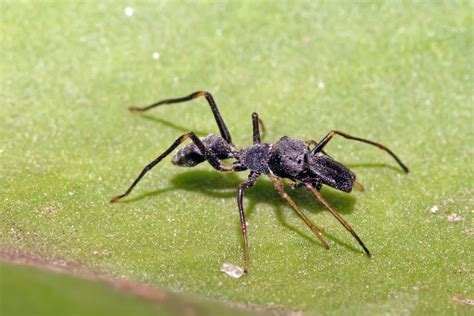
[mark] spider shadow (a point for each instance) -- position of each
(224, 186)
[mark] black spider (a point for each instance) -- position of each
(288, 158)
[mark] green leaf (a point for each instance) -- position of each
(397, 73)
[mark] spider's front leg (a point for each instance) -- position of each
(279, 188)
(319, 147)
(341, 220)
(208, 155)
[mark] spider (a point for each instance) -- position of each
(289, 159)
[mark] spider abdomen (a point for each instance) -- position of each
(190, 155)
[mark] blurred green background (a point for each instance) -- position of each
(394, 72)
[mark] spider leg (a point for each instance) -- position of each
(256, 124)
(210, 157)
(253, 176)
(217, 115)
(279, 188)
(319, 147)
(341, 220)
(315, 143)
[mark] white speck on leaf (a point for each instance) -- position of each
(321, 85)
(49, 209)
(469, 232)
(232, 270)
(128, 11)
(156, 55)
(434, 209)
(454, 217)
(219, 32)
(463, 300)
